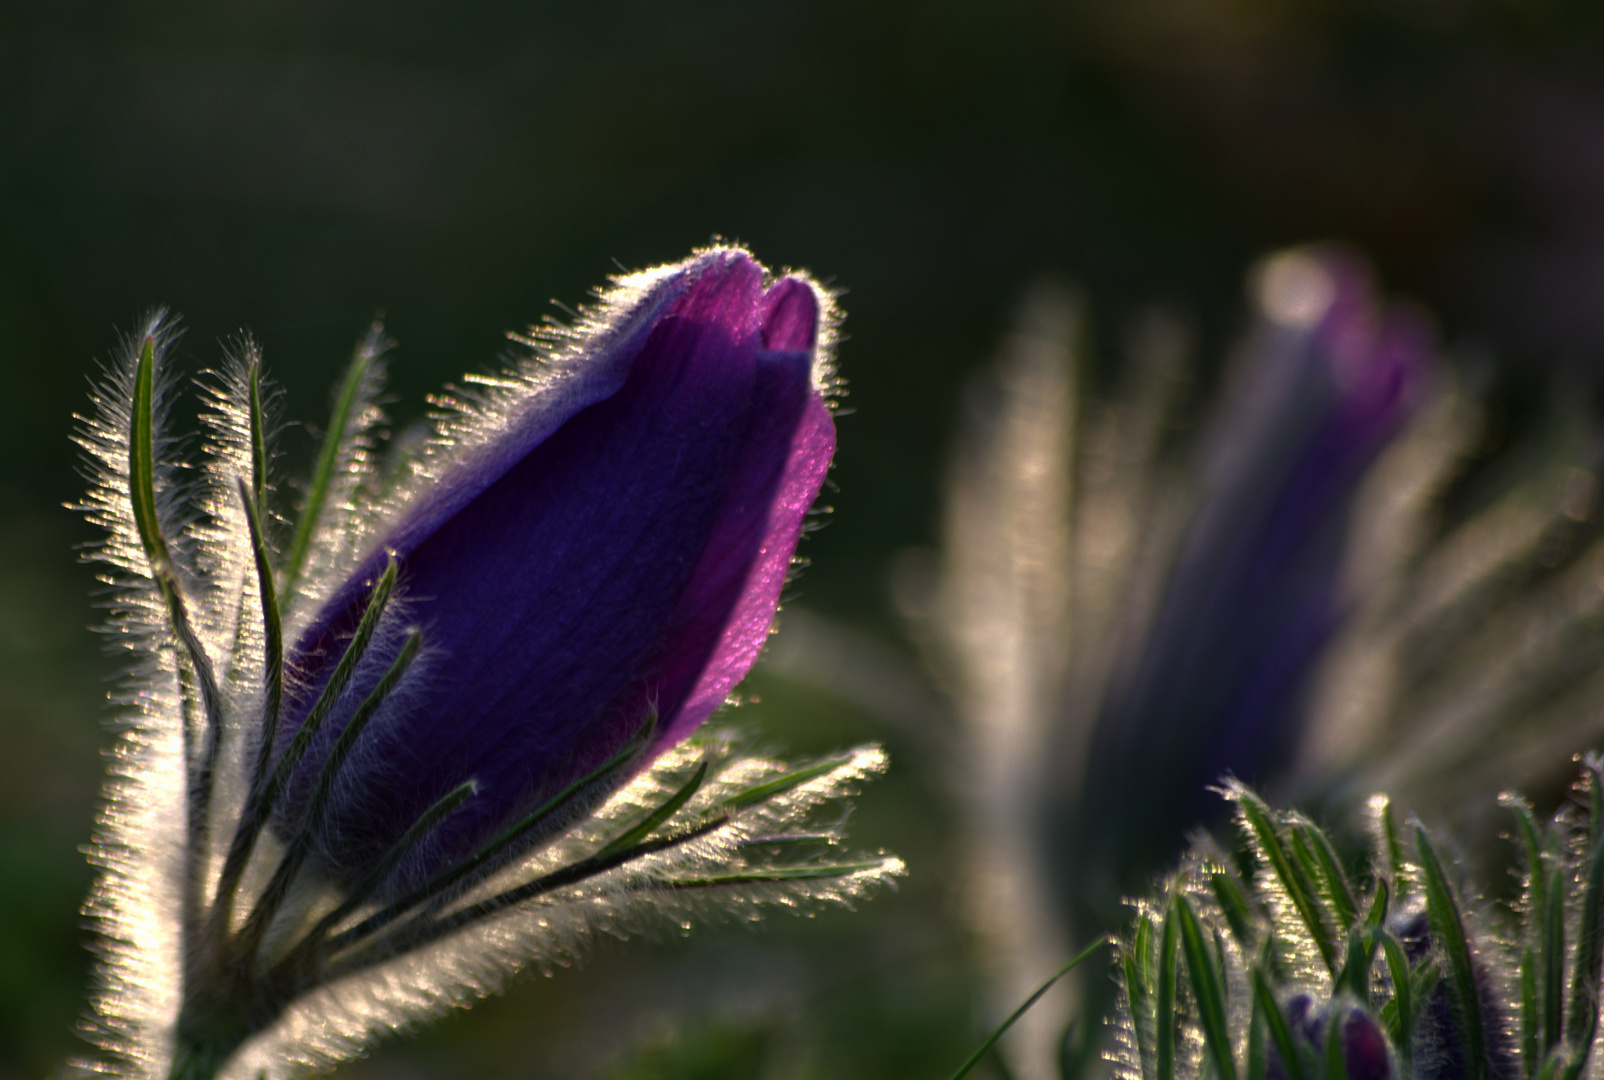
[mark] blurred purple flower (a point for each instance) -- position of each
(612, 553)
(1254, 594)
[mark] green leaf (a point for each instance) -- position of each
(248, 829)
(201, 764)
(1258, 1060)
(1333, 880)
(1234, 905)
(1206, 988)
(1141, 985)
(1552, 960)
(1137, 962)
(1264, 1004)
(1146, 962)
(347, 409)
(142, 460)
(1391, 854)
(789, 839)
(1532, 845)
(1221, 964)
(1543, 964)
(1336, 1061)
(1425, 979)
(446, 879)
(779, 785)
(262, 797)
(774, 874)
(1376, 917)
(1400, 1011)
(430, 926)
(300, 846)
(1262, 832)
(991, 1040)
(426, 824)
(661, 814)
(1449, 931)
(1530, 1020)
(1165, 1018)
(1355, 975)
(1581, 1024)
(1362, 945)
(258, 439)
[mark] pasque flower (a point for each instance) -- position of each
(453, 725)
(1255, 593)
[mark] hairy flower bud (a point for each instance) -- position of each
(613, 552)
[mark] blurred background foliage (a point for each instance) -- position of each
(294, 168)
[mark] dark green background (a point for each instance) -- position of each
(295, 168)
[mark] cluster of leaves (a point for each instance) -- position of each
(1281, 965)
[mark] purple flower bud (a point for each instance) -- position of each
(1364, 1047)
(605, 549)
(1438, 1048)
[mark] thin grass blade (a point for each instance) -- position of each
(1002, 1029)
(1531, 1021)
(1234, 905)
(1165, 1020)
(1337, 888)
(1552, 961)
(1275, 1021)
(779, 785)
(1403, 1004)
(1581, 1021)
(1448, 929)
(1268, 841)
(347, 407)
(1206, 988)
(669, 808)
(1139, 990)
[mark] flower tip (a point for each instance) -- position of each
(1296, 288)
(790, 316)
